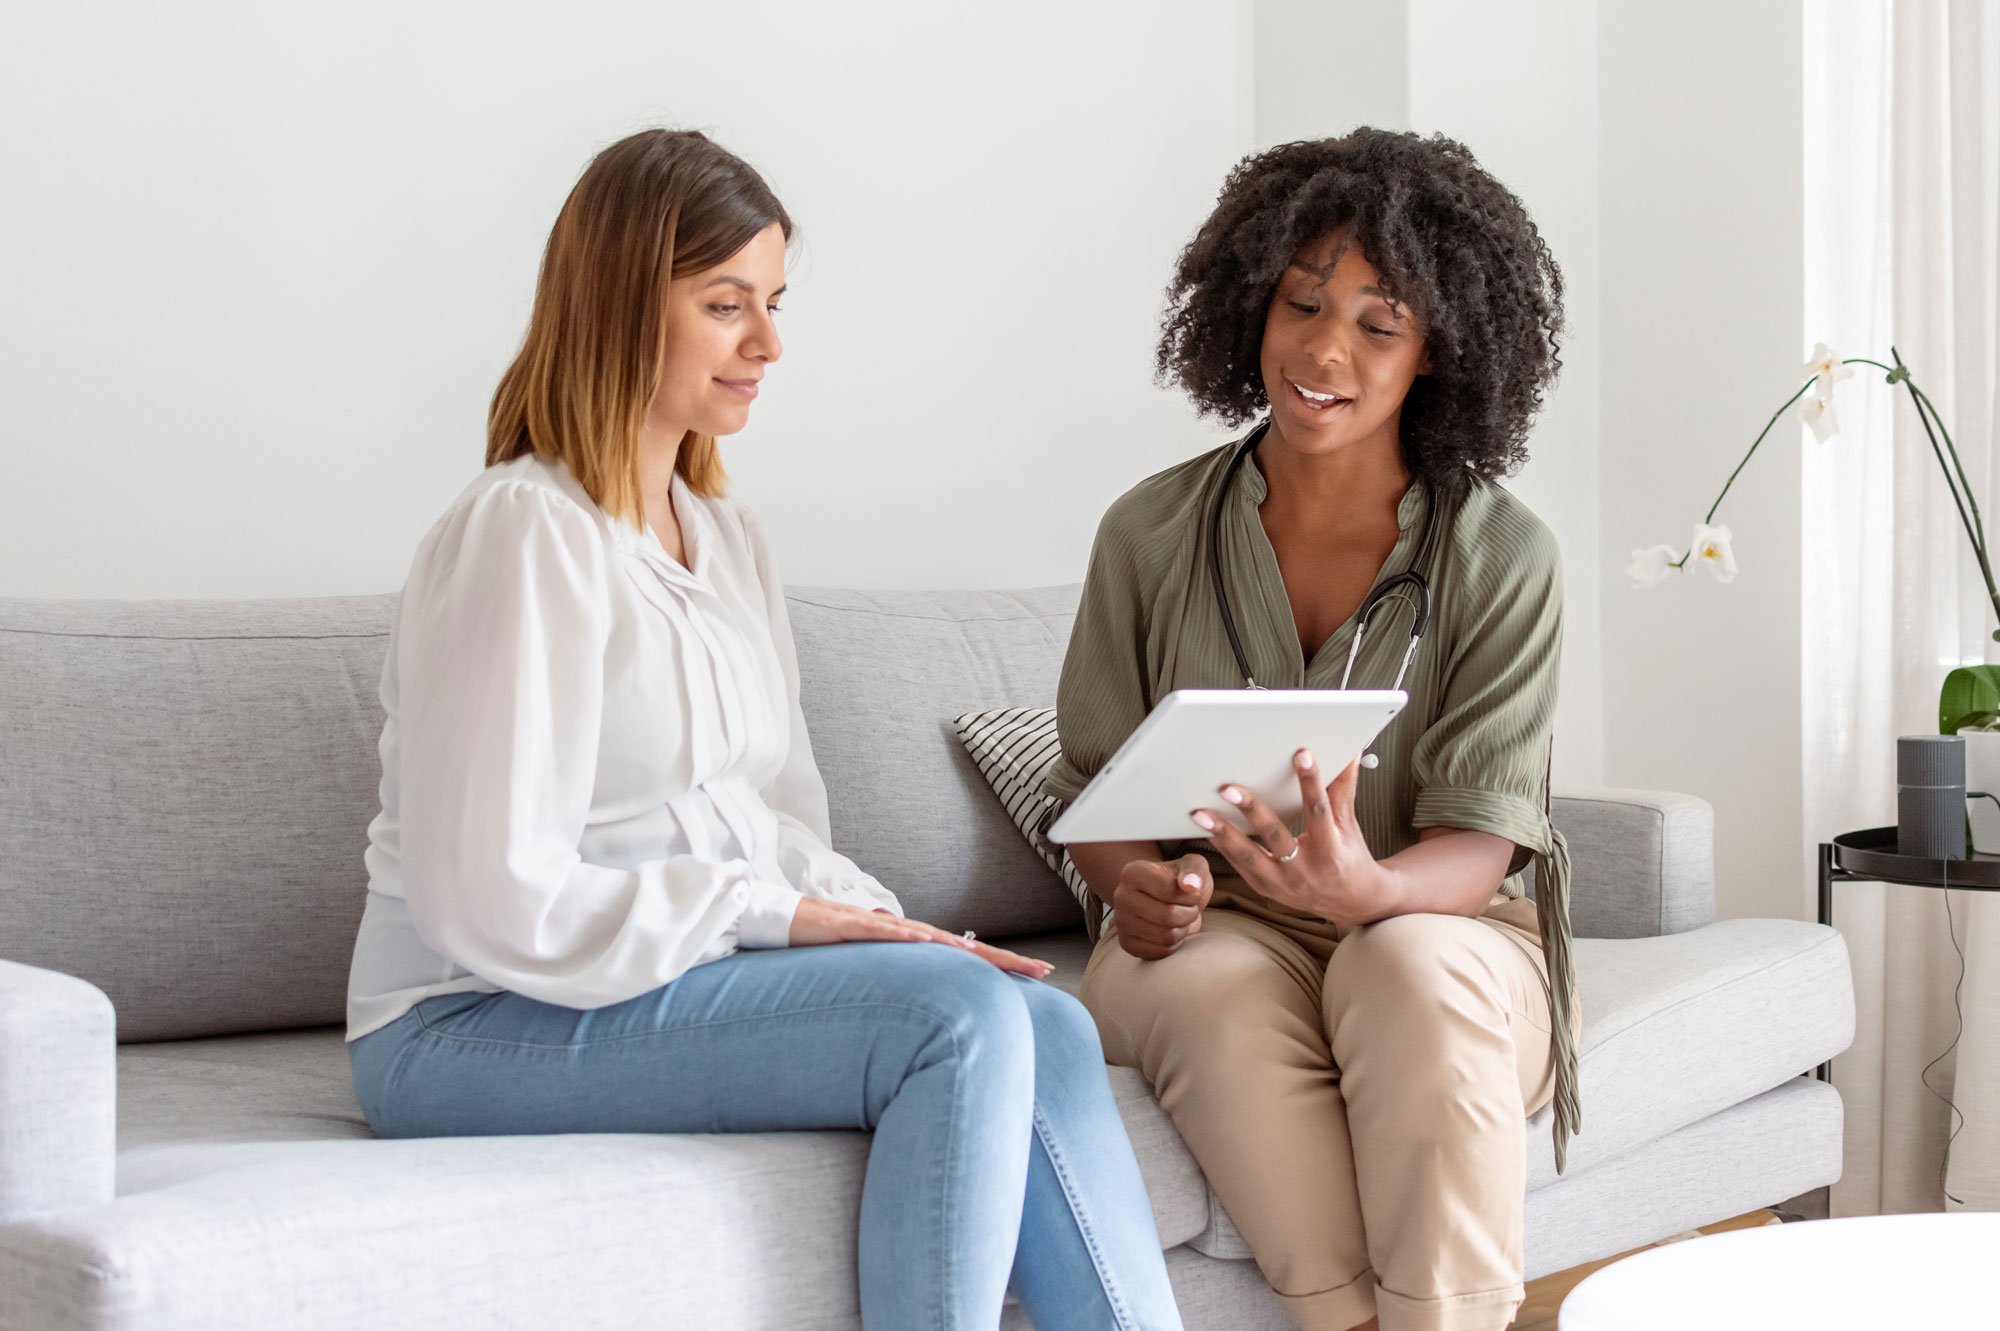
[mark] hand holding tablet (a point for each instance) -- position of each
(1198, 739)
(1325, 869)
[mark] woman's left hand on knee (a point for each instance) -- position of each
(1012, 962)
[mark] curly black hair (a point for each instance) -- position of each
(1449, 240)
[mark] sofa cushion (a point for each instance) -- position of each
(1680, 1027)
(491, 1232)
(1675, 1029)
(187, 1108)
(236, 1147)
(1015, 748)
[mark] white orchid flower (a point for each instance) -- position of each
(1711, 547)
(1818, 413)
(1826, 366)
(1649, 568)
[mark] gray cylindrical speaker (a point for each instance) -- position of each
(1930, 797)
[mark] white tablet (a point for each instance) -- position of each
(1198, 740)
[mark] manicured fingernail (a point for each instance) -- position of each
(1232, 794)
(1203, 821)
(1305, 760)
(1190, 881)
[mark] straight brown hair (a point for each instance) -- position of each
(655, 206)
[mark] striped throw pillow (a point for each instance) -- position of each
(1014, 748)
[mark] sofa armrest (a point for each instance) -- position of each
(58, 1092)
(1643, 861)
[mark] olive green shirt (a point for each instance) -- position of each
(1471, 749)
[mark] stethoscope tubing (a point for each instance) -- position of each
(1416, 578)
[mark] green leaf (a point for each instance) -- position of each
(1970, 699)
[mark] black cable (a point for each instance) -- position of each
(1951, 927)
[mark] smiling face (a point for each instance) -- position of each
(720, 338)
(1337, 357)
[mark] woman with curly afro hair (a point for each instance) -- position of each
(1351, 1017)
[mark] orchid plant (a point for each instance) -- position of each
(1970, 699)
(1711, 544)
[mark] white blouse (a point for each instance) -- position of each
(595, 772)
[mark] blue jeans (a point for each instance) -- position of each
(998, 1149)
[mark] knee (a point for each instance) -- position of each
(1407, 964)
(1412, 981)
(1064, 1030)
(1406, 1008)
(1195, 995)
(978, 1010)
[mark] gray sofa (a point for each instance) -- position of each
(184, 788)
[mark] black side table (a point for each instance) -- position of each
(1869, 856)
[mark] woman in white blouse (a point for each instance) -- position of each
(601, 865)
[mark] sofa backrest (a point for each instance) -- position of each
(186, 786)
(184, 801)
(882, 675)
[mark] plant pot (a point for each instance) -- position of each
(1982, 773)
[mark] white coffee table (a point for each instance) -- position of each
(1882, 1273)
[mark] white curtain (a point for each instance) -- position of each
(1902, 154)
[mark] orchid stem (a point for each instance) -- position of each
(1682, 561)
(1753, 449)
(1975, 530)
(1955, 479)
(1927, 408)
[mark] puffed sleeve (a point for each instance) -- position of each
(501, 640)
(797, 795)
(1104, 691)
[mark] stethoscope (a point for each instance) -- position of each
(1413, 583)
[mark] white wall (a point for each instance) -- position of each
(261, 265)
(1703, 223)
(1325, 66)
(1517, 84)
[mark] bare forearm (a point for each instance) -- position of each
(1101, 862)
(1449, 871)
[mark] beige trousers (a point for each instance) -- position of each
(1358, 1101)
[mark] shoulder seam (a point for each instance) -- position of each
(557, 503)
